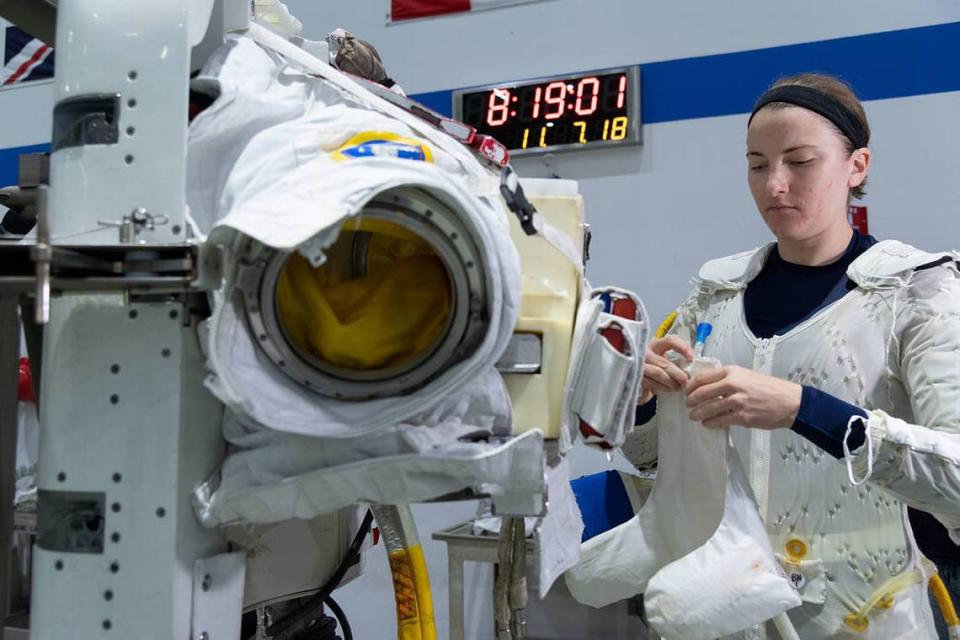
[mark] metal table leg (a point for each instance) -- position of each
(455, 581)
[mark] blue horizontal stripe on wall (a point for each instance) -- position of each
(890, 64)
(10, 165)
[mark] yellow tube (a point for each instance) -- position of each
(411, 585)
(666, 324)
(408, 566)
(939, 591)
(883, 598)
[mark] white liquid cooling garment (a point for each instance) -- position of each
(839, 528)
(697, 549)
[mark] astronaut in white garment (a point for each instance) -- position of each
(842, 374)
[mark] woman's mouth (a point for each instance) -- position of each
(781, 208)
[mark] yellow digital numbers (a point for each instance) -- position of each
(619, 129)
(582, 125)
(613, 129)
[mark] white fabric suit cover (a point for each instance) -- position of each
(891, 346)
(265, 162)
(697, 549)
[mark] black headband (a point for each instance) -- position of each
(818, 102)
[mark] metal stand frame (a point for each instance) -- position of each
(464, 546)
(9, 359)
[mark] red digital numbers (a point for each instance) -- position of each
(537, 96)
(555, 94)
(594, 87)
(498, 107)
(588, 97)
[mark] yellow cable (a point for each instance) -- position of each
(944, 601)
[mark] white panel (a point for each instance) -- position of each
(139, 53)
(218, 596)
(30, 109)
(912, 191)
(125, 415)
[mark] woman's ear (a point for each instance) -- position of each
(860, 166)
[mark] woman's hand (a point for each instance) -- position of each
(659, 374)
(734, 395)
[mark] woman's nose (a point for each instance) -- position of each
(777, 181)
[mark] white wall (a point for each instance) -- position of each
(558, 36)
(660, 210)
(689, 176)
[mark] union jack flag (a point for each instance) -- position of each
(24, 57)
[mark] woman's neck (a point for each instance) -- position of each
(825, 248)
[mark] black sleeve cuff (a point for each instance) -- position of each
(645, 412)
(823, 418)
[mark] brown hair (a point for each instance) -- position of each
(842, 93)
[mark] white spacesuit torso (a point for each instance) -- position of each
(892, 347)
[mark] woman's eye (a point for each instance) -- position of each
(758, 167)
(800, 163)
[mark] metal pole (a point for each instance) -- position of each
(9, 364)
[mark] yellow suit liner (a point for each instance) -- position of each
(391, 314)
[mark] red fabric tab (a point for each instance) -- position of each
(614, 336)
(589, 432)
(625, 308)
(410, 9)
(25, 392)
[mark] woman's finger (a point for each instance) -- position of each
(675, 343)
(704, 392)
(676, 373)
(651, 385)
(712, 408)
(661, 377)
(706, 377)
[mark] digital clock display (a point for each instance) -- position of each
(569, 112)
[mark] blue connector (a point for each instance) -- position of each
(607, 301)
(703, 332)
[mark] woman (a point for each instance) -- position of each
(842, 360)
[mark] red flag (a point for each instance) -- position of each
(410, 9)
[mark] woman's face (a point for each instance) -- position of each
(800, 173)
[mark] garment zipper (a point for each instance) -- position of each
(760, 443)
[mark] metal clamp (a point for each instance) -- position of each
(516, 201)
(43, 256)
(131, 225)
